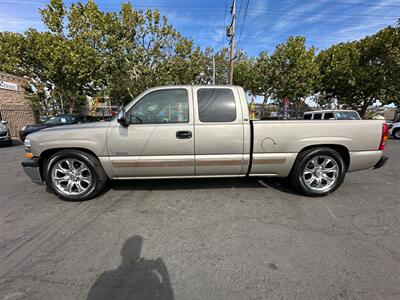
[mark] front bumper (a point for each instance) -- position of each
(32, 169)
(5, 137)
(22, 136)
(381, 162)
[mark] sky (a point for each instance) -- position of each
(261, 27)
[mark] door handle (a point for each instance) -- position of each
(183, 135)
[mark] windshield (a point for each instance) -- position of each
(347, 115)
(59, 120)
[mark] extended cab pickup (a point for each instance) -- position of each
(200, 131)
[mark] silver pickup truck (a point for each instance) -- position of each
(200, 131)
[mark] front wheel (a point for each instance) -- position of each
(318, 171)
(74, 175)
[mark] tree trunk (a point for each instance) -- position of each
(363, 110)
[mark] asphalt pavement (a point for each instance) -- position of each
(201, 239)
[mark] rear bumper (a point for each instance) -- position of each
(381, 162)
(364, 160)
(32, 169)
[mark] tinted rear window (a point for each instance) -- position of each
(328, 116)
(317, 116)
(307, 117)
(216, 105)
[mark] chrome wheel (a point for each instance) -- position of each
(321, 173)
(71, 177)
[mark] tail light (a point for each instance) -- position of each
(384, 137)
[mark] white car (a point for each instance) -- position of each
(331, 115)
(5, 135)
(394, 130)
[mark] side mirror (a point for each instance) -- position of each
(4, 122)
(121, 118)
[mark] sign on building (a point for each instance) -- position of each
(8, 86)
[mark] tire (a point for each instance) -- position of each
(318, 171)
(396, 133)
(74, 175)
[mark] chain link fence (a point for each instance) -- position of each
(17, 117)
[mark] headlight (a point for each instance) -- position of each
(27, 145)
(23, 128)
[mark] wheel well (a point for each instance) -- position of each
(49, 152)
(342, 150)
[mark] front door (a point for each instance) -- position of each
(159, 140)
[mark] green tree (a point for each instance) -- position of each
(153, 53)
(291, 71)
(359, 73)
(221, 66)
(12, 47)
(88, 52)
(339, 73)
(244, 72)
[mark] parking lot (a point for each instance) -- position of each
(201, 239)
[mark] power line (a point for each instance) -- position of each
(223, 32)
(244, 21)
(173, 5)
(202, 7)
(240, 10)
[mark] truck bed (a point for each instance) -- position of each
(276, 143)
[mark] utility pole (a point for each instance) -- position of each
(230, 32)
(213, 63)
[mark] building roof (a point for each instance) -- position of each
(12, 77)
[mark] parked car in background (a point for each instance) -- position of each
(58, 120)
(394, 130)
(5, 135)
(392, 115)
(332, 115)
(200, 131)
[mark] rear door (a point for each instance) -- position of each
(219, 131)
(159, 140)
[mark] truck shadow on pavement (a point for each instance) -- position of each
(135, 278)
(280, 184)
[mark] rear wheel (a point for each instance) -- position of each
(74, 175)
(318, 171)
(396, 134)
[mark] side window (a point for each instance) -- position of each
(328, 116)
(317, 116)
(307, 117)
(216, 105)
(164, 106)
(70, 119)
(59, 120)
